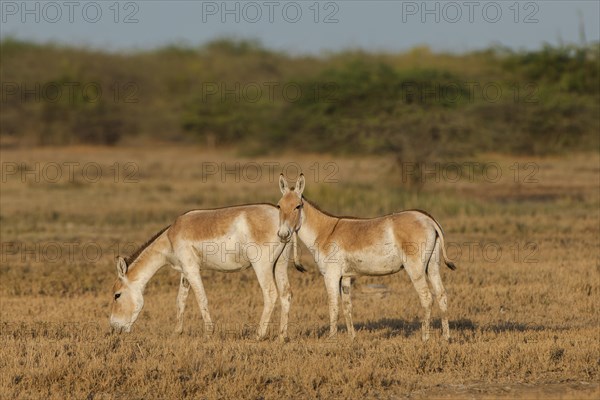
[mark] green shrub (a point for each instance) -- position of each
(415, 105)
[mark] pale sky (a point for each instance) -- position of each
(304, 26)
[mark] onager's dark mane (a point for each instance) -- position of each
(136, 254)
(312, 203)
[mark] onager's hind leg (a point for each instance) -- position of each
(417, 276)
(285, 295)
(347, 305)
(264, 274)
(182, 295)
(433, 272)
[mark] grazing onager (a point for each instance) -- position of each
(344, 247)
(227, 239)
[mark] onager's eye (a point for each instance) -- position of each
(278, 206)
(117, 295)
(299, 206)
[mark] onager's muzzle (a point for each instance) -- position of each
(284, 233)
(119, 327)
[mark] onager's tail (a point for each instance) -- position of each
(297, 263)
(440, 232)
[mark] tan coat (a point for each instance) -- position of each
(226, 239)
(345, 247)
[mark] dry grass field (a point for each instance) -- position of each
(523, 303)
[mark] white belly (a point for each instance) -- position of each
(225, 254)
(383, 259)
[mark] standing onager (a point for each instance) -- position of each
(344, 247)
(226, 239)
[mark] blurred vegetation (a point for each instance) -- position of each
(417, 105)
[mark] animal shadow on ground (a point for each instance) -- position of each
(388, 327)
(396, 327)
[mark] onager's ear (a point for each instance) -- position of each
(283, 186)
(121, 267)
(300, 185)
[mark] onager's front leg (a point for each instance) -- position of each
(269, 290)
(332, 283)
(347, 305)
(285, 296)
(195, 282)
(182, 295)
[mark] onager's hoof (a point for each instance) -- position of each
(260, 338)
(284, 339)
(209, 330)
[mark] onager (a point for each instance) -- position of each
(344, 247)
(227, 239)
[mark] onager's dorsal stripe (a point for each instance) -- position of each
(226, 239)
(344, 247)
(230, 207)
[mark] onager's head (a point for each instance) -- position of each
(128, 300)
(290, 208)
